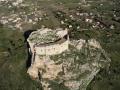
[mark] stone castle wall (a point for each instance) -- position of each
(52, 49)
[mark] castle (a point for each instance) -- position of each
(48, 42)
(74, 69)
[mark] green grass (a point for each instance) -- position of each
(109, 78)
(13, 56)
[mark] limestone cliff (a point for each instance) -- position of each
(71, 70)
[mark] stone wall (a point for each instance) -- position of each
(52, 49)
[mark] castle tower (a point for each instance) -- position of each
(49, 42)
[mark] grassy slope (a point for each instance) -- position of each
(13, 68)
(109, 79)
(13, 58)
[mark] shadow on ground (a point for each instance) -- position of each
(26, 35)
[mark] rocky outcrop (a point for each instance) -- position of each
(71, 70)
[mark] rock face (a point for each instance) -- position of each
(71, 70)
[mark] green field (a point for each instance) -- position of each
(13, 57)
(13, 49)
